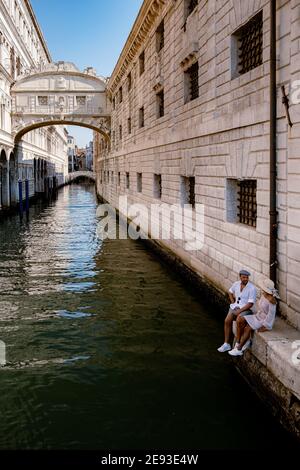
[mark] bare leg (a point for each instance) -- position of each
(228, 327)
(246, 335)
(240, 326)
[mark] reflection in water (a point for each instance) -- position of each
(106, 348)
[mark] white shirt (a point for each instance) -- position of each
(242, 298)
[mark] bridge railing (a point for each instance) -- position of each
(80, 174)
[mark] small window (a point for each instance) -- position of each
(119, 178)
(114, 103)
(188, 190)
(112, 177)
(129, 125)
(247, 46)
(157, 186)
(129, 81)
(127, 181)
(142, 63)
(80, 100)
(192, 82)
(139, 182)
(108, 176)
(160, 36)
(120, 132)
(160, 109)
(120, 95)
(247, 207)
(43, 100)
(241, 204)
(189, 7)
(141, 117)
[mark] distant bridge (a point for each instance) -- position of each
(80, 174)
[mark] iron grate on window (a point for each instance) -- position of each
(193, 73)
(247, 206)
(192, 191)
(160, 104)
(250, 40)
(192, 5)
(160, 37)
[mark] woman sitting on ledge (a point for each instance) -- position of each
(262, 321)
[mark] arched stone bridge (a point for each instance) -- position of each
(59, 93)
(80, 174)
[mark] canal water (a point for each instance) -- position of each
(108, 349)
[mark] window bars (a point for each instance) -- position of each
(250, 44)
(193, 73)
(247, 206)
(191, 6)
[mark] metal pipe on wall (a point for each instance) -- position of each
(273, 146)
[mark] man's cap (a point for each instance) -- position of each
(244, 272)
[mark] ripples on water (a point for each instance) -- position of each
(106, 348)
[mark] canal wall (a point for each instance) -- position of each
(272, 365)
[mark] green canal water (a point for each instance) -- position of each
(107, 348)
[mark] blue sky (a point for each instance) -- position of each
(88, 33)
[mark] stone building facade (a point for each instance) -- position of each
(41, 155)
(191, 123)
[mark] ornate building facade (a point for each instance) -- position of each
(41, 155)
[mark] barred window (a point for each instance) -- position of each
(129, 81)
(119, 178)
(188, 190)
(139, 182)
(160, 105)
(190, 6)
(247, 207)
(250, 44)
(160, 36)
(12, 62)
(141, 117)
(192, 82)
(43, 100)
(80, 100)
(129, 125)
(127, 181)
(142, 63)
(18, 66)
(157, 186)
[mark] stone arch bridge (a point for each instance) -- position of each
(76, 175)
(59, 93)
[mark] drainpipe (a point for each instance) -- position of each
(273, 122)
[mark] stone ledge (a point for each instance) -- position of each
(275, 350)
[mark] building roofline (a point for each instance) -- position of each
(38, 29)
(147, 15)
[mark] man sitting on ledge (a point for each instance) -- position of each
(242, 296)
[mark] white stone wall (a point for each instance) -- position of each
(20, 33)
(223, 134)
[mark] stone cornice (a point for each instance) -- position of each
(38, 29)
(147, 15)
(15, 31)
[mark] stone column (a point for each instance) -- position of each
(5, 185)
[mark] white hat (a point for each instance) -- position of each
(268, 286)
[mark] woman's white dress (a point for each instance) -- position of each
(265, 315)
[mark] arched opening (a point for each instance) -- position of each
(12, 179)
(4, 180)
(61, 122)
